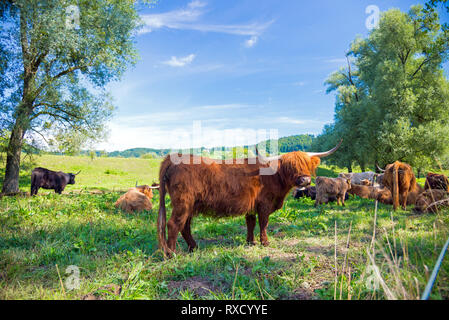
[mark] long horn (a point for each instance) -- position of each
(77, 173)
(378, 168)
(265, 159)
(154, 187)
(136, 183)
(325, 154)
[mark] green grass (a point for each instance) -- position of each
(109, 246)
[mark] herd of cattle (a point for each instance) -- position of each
(397, 185)
(213, 188)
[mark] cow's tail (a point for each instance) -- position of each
(162, 217)
(395, 187)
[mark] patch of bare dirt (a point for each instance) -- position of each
(301, 294)
(199, 286)
(102, 292)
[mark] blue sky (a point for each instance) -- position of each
(236, 66)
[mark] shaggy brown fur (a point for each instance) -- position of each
(222, 190)
(400, 180)
(136, 199)
(331, 187)
(362, 191)
(432, 200)
(436, 181)
(382, 195)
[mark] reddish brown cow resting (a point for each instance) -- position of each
(436, 181)
(136, 199)
(400, 180)
(432, 200)
(383, 195)
(222, 190)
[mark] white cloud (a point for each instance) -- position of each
(122, 137)
(335, 60)
(224, 106)
(299, 83)
(196, 4)
(299, 121)
(180, 62)
(251, 42)
(188, 19)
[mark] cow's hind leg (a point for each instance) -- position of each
(263, 223)
(187, 235)
(176, 223)
(404, 197)
(250, 225)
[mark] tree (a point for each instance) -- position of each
(396, 107)
(56, 59)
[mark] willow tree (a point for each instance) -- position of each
(394, 104)
(56, 58)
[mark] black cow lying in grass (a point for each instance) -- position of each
(47, 179)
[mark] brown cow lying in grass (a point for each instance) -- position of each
(431, 201)
(136, 199)
(331, 187)
(383, 195)
(436, 181)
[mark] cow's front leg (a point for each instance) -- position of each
(263, 223)
(250, 225)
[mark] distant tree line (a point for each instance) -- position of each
(301, 142)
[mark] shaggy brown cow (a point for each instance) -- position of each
(331, 187)
(362, 191)
(382, 195)
(436, 181)
(400, 180)
(310, 192)
(136, 199)
(207, 186)
(431, 200)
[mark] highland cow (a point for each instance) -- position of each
(48, 179)
(331, 187)
(436, 181)
(136, 199)
(210, 187)
(401, 181)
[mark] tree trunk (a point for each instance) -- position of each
(349, 166)
(362, 167)
(11, 182)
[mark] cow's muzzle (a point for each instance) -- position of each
(303, 181)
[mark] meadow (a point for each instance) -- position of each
(314, 253)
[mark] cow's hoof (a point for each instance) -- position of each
(191, 249)
(251, 243)
(265, 243)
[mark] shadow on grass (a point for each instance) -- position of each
(24, 179)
